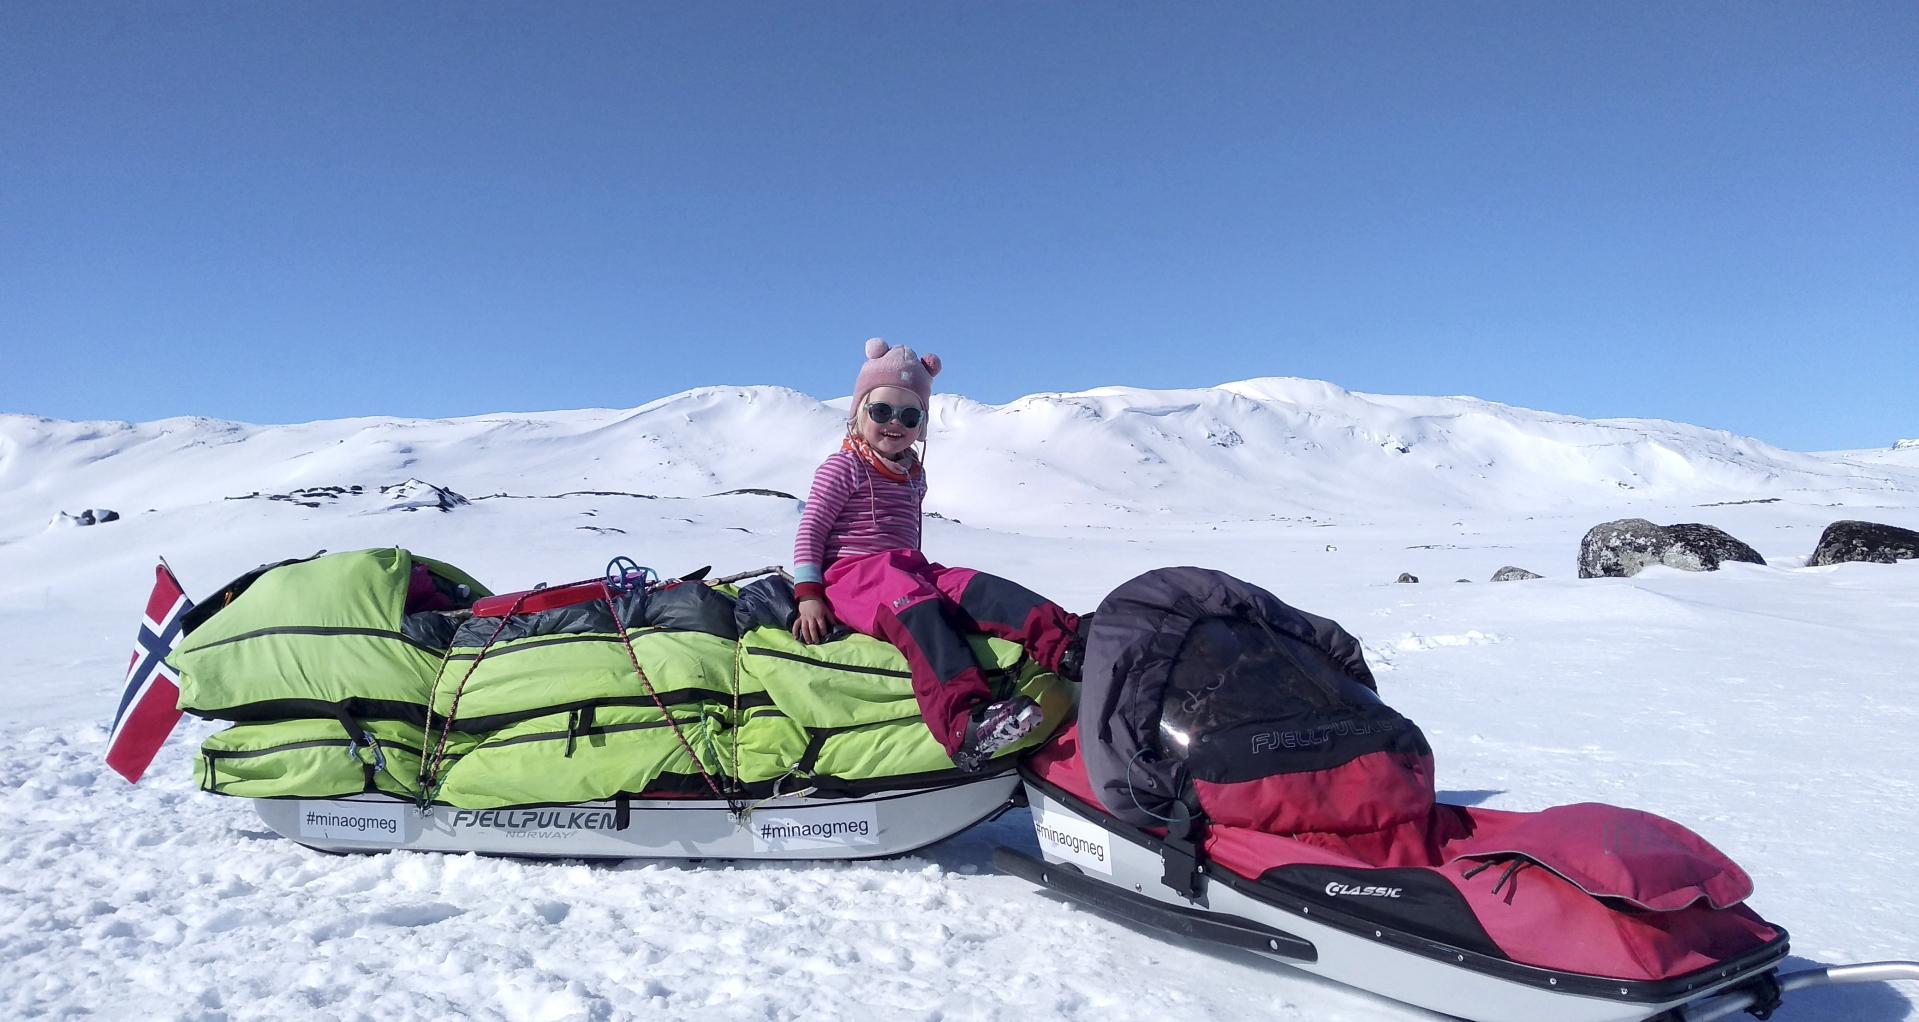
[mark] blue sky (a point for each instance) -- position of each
(286, 211)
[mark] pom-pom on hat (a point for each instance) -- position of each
(887, 366)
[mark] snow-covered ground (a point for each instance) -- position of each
(1770, 708)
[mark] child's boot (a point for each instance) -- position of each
(994, 727)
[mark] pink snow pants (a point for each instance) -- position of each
(924, 609)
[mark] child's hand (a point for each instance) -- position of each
(815, 622)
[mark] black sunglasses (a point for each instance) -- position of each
(883, 413)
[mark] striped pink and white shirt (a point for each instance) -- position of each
(852, 510)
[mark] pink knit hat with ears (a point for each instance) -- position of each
(887, 366)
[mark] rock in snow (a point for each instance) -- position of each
(90, 516)
(1864, 541)
(1407, 576)
(415, 494)
(1623, 548)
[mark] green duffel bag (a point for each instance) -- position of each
(586, 756)
(852, 680)
(541, 675)
(906, 749)
(766, 748)
(568, 653)
(315, 638)
(852, 701)
(316, 759)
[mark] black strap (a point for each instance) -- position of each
(1767, 994)
(815, 741)
(361, 739)
(579, 721)
(622, 811)
(1005, 684)
(1180, 852)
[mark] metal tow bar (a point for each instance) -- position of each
(1728, 1004)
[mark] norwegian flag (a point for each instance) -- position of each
(148, 708)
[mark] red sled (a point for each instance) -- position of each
(1234, 776)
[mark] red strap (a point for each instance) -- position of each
(620, 627)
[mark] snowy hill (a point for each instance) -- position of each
(1767, 707)
(1903, 454)
(1257, 448)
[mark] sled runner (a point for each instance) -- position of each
(861, 827)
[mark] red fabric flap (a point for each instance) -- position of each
(1610, 852)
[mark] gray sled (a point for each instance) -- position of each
(868, 826)
(1105, 865)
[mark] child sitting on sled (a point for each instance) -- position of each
(857, 560)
